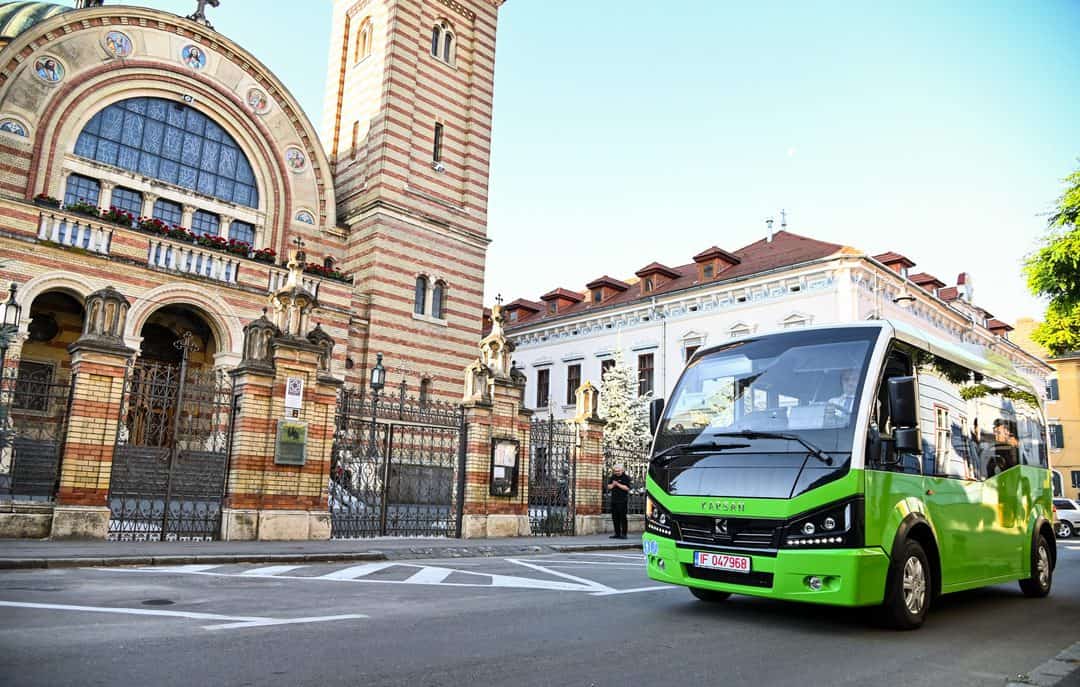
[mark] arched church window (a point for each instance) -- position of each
(172, 142)
(438, 300)
(442, 42)
(363, 40)
(425, 391)
(80, 188)
(420, 296)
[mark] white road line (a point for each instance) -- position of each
(355, 571)
(429, 575)
(632, 556)
(614, 592)
(1072, 548)
(628, 564)
(235, 622)
(590, 584)
(269, 570)
(187, 568)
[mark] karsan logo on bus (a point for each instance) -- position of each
(723, 506)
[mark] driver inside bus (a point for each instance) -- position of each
(849, 380)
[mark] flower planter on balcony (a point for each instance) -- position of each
(47, 201)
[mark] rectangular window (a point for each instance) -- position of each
(203, 222)
(1076, 479)
(605, 365)
(543, 386)
(242, 231)
(645, 373)
(32, 385)
(647, 285)
(436, 151)
(573, 381)
(553, 307)
(1052, 391)
(168, 212)
(707, 271)
(1057, 436)
(597, 295)
(689, 352)
(80, 188)
(127, 200)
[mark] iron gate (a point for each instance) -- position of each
(171, 458)
(399, 474)
(552, 470)
(34, 408)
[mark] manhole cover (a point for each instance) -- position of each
(157, 602)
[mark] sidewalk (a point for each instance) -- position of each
(39, 553)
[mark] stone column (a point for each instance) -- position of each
(588, 480)
(267, 499)
(223, 230)
(99, 361)
(187, 216)
(105, 197)
(148, 204)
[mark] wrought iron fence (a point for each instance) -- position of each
(552, 470)
(399, 474)
(635, 461)
(34, 409)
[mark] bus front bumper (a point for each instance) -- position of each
(844, 577)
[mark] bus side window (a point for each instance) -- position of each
(882, 449)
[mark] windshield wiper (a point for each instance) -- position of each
(672, 452)
(751, 434)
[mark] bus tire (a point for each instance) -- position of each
(908, 588)
(709, 595)
(1042, 570)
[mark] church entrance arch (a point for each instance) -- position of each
(171, 457)
(35, 390)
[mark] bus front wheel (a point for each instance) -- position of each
(908, 588)
(709, 595)
(1042, 571)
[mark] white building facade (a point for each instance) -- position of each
(657, 333)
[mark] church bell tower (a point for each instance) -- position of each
(407, 127)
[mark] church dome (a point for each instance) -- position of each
(16, 17)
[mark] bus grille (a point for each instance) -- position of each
(750, 579)
(747, 532)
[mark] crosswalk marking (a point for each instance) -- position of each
(355, 571)
(269, 570)
(430, 575)
(187, 568)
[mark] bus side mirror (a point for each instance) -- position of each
(903, 403)
(907, 440)
(656, 409)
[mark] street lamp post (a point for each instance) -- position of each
(377, 382)
(10, 314)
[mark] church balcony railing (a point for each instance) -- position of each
(279, 276)
(75, 231)
(192, 259)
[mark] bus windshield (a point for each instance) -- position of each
(805, 382)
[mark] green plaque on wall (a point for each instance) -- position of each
(291, 442)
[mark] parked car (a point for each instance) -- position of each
(1068, 517)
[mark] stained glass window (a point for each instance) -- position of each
(127, 199)
(242, 231)
(173, 142)
(168, 212)
(81, 188)
(203, 222)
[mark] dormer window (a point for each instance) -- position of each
(513, 315)
(597, 295)
(707, 271)
(553, 307)
(647, 285)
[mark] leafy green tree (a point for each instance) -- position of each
(1053, 271)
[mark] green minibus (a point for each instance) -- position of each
(865, 464)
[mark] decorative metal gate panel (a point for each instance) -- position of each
(171, 457)
(34, 408)
(552, 470)
(397, 474)
(635, 461)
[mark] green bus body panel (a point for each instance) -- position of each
(983, 531)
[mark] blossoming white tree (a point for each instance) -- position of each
(626, 412)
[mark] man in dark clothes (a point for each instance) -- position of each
(619, 487)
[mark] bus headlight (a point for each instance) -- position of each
(835, 526)
(657, 518)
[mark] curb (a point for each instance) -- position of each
(1064, 666)
(329, 557)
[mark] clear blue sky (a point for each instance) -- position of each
(629, 131)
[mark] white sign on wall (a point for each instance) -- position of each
(294, 393)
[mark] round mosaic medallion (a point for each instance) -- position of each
(257, 101)
(49, 69)
(295, 159)
(305, 217)
(118, 44)
(193, 56)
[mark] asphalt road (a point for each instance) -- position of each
(561, 619)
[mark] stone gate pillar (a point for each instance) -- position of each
(495, 414)
(99, 363)
(588, 480)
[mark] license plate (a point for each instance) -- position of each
(722, 561)
(650, 547)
